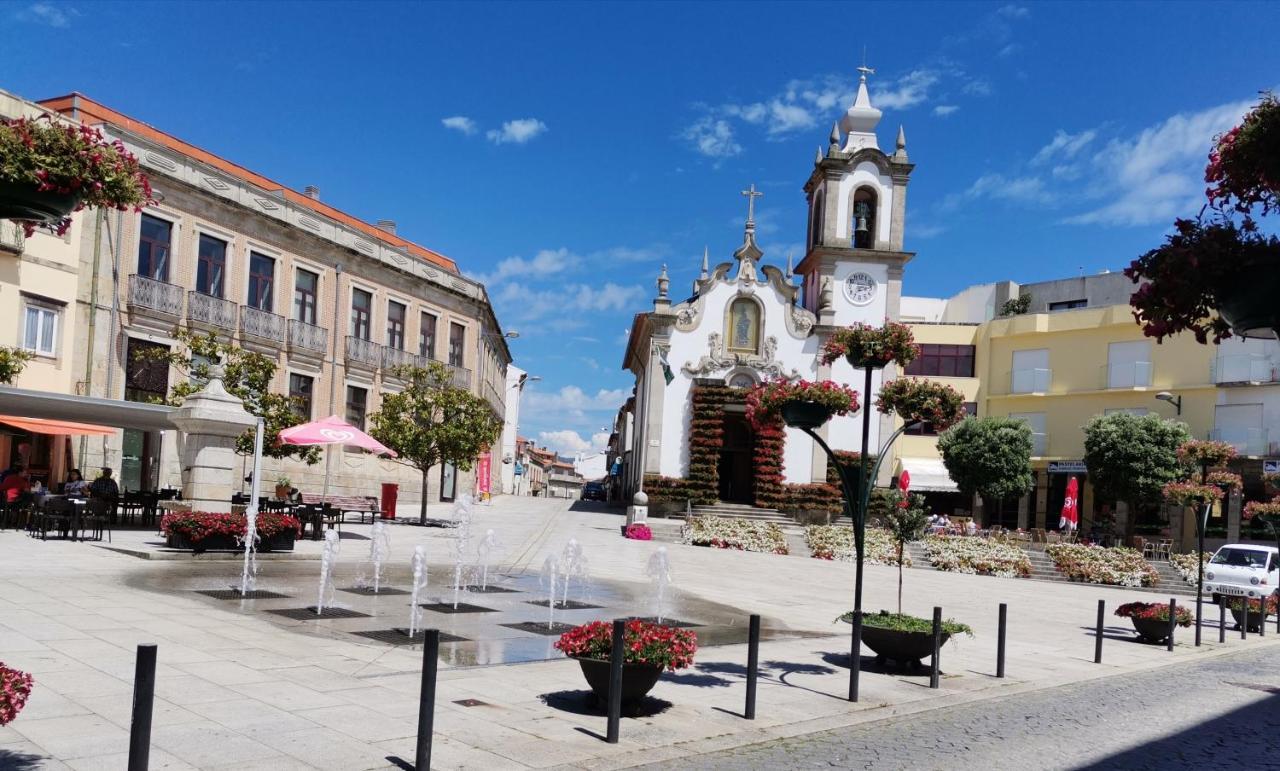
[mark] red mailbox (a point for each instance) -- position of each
(390, 491)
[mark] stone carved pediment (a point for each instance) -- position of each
(717, 360)
(689, 313)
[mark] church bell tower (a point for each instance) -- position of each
(857, 195)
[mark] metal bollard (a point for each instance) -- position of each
(615, 680)
(144, 694)
(427, 699)
(1199, 616)
(1222, 621)
(1262, 620)
(753, 666)
(855, 656)
(1173, 620)
(1244, 626)
(1004, 617)
(1097, 637)
(935, 673)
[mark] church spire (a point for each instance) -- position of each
(900, 154)
(790, 270)
(749, 253)
(706, 266)
(861, 119)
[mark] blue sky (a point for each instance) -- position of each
(563, 152)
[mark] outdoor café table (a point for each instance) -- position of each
(77, 518)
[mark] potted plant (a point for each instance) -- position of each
(1256, 617)
(276, 531)
(649, 649)
(638, 531)
(922, 401)
(283, 485)
(801, 404)
(15, 687)
(49, 169)
(868, 347)
(1212, 276)
(1191, 494)
(201, 531)
(1151, 619)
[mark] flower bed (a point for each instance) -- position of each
(835, 542)
(638, 532)
(1097, 565)
(739, 534)
(645, 643)
(1154, 611)
(196, 526)
(1236, 605)
(901, 622)
(15, 687)
(1185, 564)
(962, 554)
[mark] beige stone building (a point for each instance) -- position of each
(335, 301)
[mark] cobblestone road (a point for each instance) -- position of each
(1223, 712)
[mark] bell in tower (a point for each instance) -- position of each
(864, 219)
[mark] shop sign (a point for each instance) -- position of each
(1067, 467)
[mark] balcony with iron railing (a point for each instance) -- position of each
(155, 298)
(211, 312)
(1030, 381)
(494, 397)
(363, 353)
(262, 326)
(394, 357)
(1129, 374)
(1244, 369)
(307, 340)
(461, 375)
(1247, 441)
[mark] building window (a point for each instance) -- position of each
(146, 371)
(306, 288)
(457, 343)
(943, 361)
(40, 329)
(361, 313)
(395, 325)
(211, 267)
(744, 326)
(300, 395)
(927, 429)
(1129, 364)
(864, 218)
(262, 279)
(1031, 373)
(153, 248)
(1039, 437)
(427, 336)
(357, 399)
(1066, 305)
(817, 219)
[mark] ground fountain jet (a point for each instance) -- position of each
(659, 572)
(483, 553)
(550, 570)
(419, 583)
(328, 559)
(572, 565)
(379, 550)
(462, 516)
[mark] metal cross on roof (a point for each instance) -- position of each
(751, 195)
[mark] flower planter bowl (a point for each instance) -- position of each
(281, 541)
(1248, 302)
(216, 542)
(1151, 630)
(637, 680)
(895, 645)
(805, 414)
(1255, 619)
(23, 202)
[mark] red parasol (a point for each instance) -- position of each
(1070, 519)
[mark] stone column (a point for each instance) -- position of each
(209, 421)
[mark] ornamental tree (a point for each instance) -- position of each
(247, 375)
(1132, 458)
(906, 518)
(990, 457)
(432, 421)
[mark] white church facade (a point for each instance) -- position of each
(747, 322)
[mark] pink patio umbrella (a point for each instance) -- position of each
(332, 430)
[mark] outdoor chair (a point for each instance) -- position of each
(1148, 548)
(97, 518)
(1164, 550)
(58, 514)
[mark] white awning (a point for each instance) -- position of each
(928, 475)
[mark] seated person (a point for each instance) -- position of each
(970, 528)
(16, 486)
(105, 487)
(294, 495)
(76, 485)
(944, 521)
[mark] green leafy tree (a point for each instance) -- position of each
(990, 457)
(247, 375)
(432, 421)
(12, 362)
(906, 519)
(1132, 458)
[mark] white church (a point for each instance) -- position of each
(747, 322)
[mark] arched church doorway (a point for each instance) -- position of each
(735, 468)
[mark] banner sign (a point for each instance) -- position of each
(482, 473)
(1067, 467)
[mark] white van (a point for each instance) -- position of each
(1242, 570)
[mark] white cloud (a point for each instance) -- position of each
(907, 91)
(574, 400)
(460, 123)
(943, 110)
(547, 262)
(1064, 146)
(1009, 50)
(1158, 174)
(47, 14)
(524, 304)
(516, 131)
(1014, 11)
(712, 137)
(567, 442)
(978, 87)
(1025, 189)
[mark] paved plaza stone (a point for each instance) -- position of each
(241, 688)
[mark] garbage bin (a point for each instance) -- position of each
(390, 491)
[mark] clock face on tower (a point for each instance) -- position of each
(860, 288)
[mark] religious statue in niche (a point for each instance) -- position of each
(744, 326)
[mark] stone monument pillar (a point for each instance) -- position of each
(210, 420)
